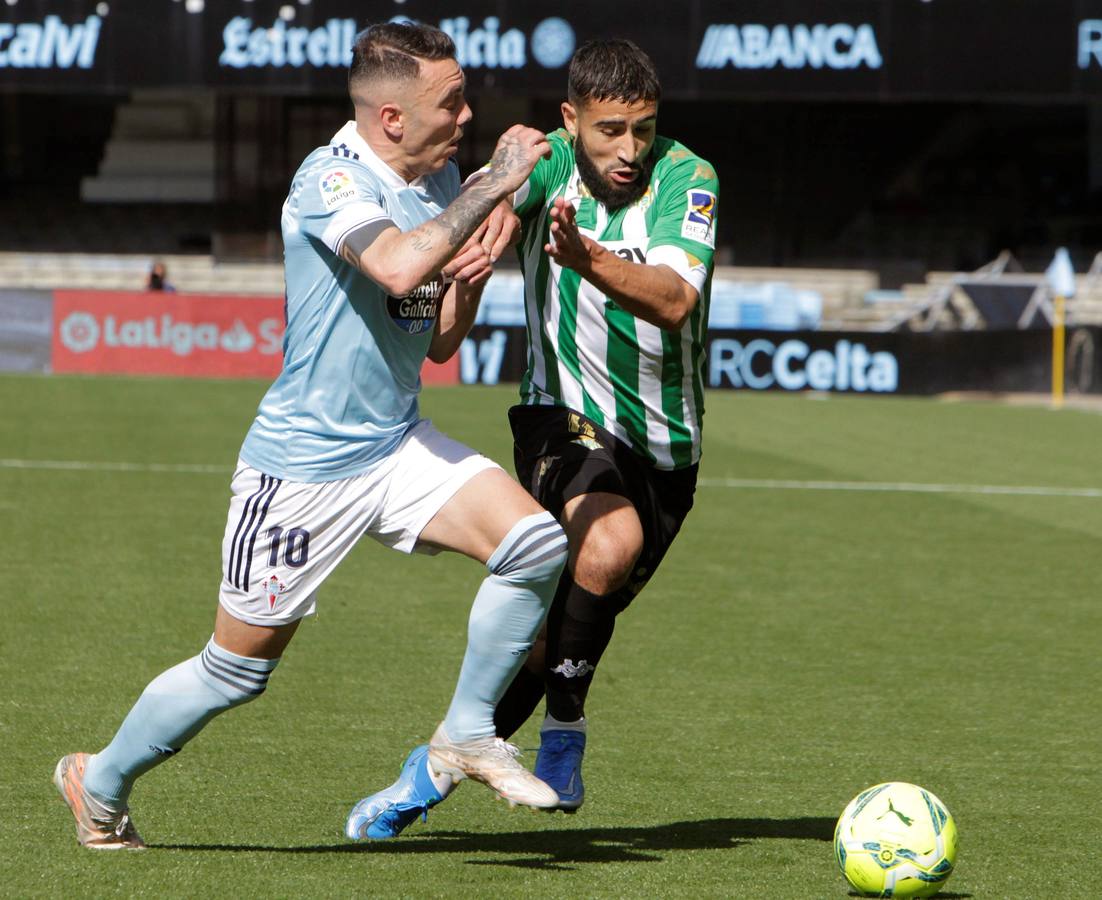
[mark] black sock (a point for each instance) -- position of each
(574, 648)
(520, 701)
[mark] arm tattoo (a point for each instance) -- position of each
(467, 211)
(508, 158)
(350, 256)
(421, 240)
(470, 208)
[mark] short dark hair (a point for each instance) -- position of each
(612, 70)
(392, 50)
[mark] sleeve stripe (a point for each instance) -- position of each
(360, 237)
(343, 236)
(677, 259)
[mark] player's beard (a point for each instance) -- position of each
(613, 196)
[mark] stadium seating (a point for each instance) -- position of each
(128, 272)
(161, 150)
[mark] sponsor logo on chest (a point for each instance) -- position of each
(632, 250)
(416, 312)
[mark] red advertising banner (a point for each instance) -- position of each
(197, 335)
(441, 373)
(151, 333)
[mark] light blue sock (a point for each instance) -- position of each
(170, 712)
(506, 616)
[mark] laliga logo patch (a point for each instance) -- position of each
(335, 182)
(700, 217)
(337, 187)
(416, 312)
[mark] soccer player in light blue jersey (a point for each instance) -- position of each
(385, 262)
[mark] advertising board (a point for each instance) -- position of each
(1011, 49)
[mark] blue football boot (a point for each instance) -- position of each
(385, 814)
(559, 763)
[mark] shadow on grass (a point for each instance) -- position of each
(559, 849)
(941, 895)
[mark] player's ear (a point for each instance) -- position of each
(570, 119)
(392, 119)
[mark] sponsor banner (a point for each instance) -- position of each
(778, 46)
(167, 334)
(703, 48)
(817, 361)
(874, 364)
(441, 373)
(493, 354)
(881, 364)
(172, 334)
(50, 43)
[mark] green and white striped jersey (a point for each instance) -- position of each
(641, 383)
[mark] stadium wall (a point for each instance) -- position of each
(25, 324)
(227, 336)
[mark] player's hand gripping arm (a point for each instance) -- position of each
(655, 294)
(471, 269)
(399, 261)
(502, 227)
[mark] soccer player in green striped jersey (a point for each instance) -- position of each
(617, 244)
(618, 233)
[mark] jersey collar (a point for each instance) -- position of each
(349, 137)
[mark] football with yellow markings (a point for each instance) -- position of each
(896, 840)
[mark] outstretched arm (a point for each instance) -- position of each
(655, 294)
(400, 261)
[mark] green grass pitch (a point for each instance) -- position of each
(798, 645)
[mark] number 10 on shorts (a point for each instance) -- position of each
(296, 548)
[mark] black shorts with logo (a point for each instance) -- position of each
(560, 454)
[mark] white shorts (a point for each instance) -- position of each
(283, 538)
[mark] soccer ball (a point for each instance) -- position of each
(896, 840)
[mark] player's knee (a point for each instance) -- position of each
(604, 563)
(533, 551)
(236, 679)
(605, 543)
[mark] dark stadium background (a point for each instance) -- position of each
(980, 132)
(873, 154)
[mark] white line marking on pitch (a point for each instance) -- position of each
(901, 487)
(77, 465)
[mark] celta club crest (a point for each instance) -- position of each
(273, 587)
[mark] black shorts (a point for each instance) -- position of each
(560, 454)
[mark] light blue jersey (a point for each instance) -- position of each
(352, 355)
